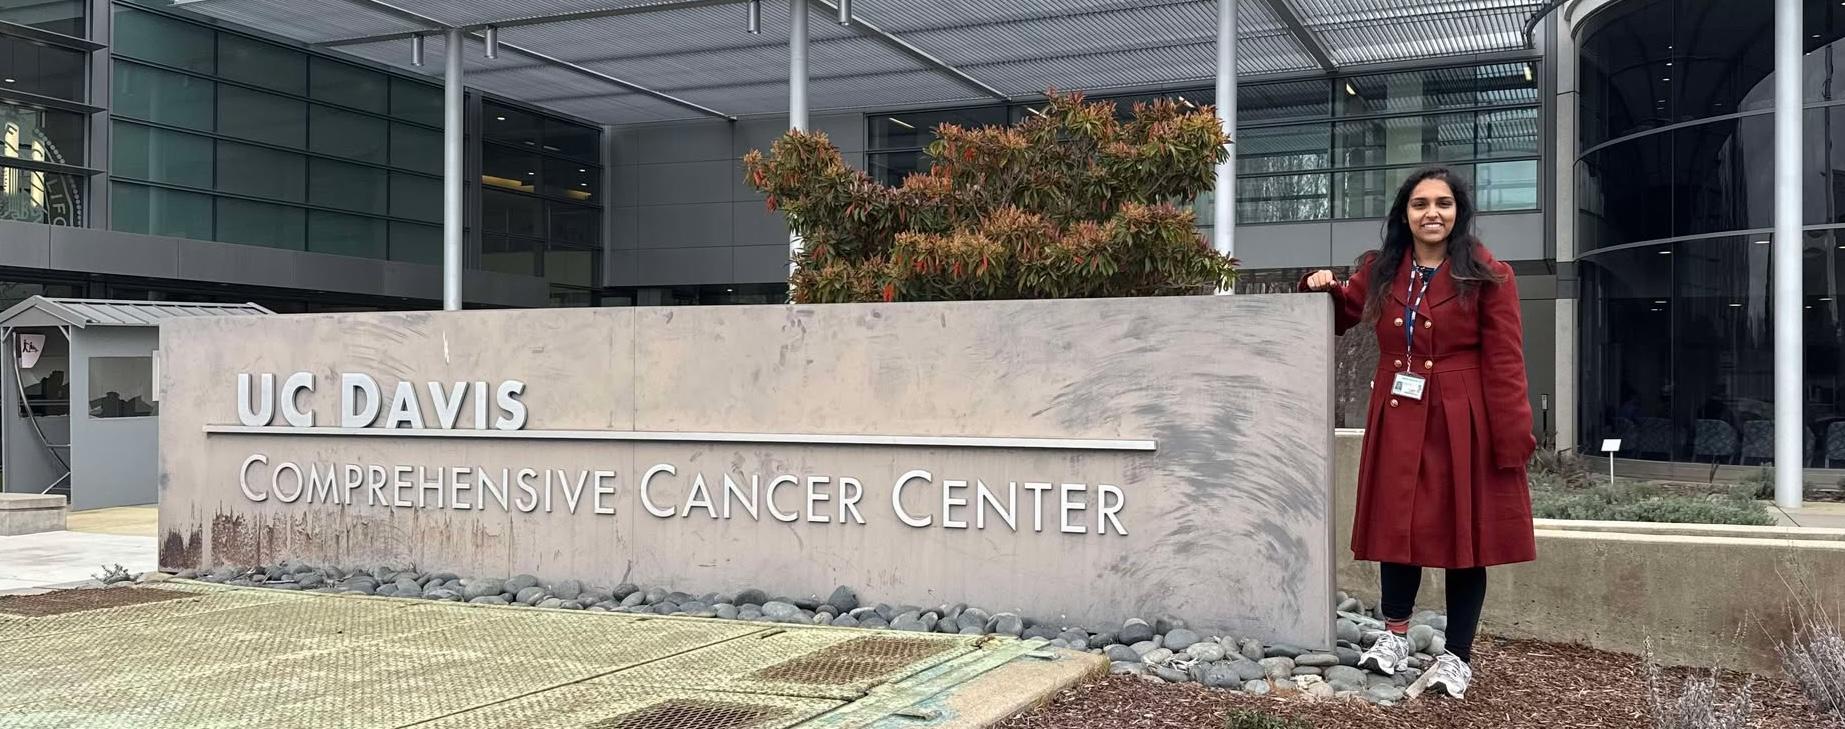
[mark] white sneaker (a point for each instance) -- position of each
(1388, 655)
(1450, 675)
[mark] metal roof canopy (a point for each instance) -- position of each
(634, 61)
(39, 311)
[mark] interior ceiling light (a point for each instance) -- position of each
(1349, 90)
(902, 123)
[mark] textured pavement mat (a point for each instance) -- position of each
(616, 706)
(835, 663)
(193, 600)
(208, 657)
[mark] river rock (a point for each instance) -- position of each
(1205, 652)
(1179, 639)
(1135, 631)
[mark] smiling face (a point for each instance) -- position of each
(1431, 211)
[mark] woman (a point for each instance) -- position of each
(1442, 480)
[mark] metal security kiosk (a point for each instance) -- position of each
(78, 390)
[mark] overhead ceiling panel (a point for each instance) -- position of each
(1377, 41)
(475, 12)
(310, 21)
(516, 76)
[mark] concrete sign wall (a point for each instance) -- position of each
(1080, 461)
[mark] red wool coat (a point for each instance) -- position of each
(1442, 481)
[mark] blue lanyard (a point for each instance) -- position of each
(1414, 297)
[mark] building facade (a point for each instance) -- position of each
(1622, 164)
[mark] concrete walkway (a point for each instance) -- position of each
(1825, 515)
(92, 541)
(197, 656)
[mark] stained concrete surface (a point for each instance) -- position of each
(137, 521)
(209, 656)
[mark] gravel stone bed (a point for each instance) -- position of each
(1158, 649)
(1517, 685)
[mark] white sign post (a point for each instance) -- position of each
(1610, 446)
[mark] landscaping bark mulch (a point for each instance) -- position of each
(1516, 684)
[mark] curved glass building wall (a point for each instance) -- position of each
(1675, 188)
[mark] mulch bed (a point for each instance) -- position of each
(1516, 684)
(58, 602)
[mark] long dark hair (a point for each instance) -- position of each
(1463, 263)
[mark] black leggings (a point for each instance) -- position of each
(1466, 595)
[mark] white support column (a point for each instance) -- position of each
(797, 92)
(1223, 197)
(1789, 348)
(452, 173)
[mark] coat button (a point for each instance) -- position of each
(1399, 364)
(1399, 321)
(1427, 324)
(1429, 365)
(1393, 402)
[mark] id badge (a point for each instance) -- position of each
(1408, 385)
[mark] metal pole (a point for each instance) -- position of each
(1223, 198)
(1788, 317)
(452, 173)
(797, 94)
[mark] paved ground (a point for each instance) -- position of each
(1818, 514)
(95, 538)
(197, 656)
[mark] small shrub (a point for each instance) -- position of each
(1761, 484)
(1629, 501)
(1250, 719)
(1699, 702)
(1559, 468)
(1814, 657)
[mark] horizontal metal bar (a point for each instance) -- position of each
(921, 56)
(29, 99)
(918, 441)
(545, 19)
(49, 38)
(629, 85)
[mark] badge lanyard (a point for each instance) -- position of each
(1414, 297)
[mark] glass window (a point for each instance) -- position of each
(345, 134)
(418, 150)
(891, 168)
(510, 126)
(163, 97)
(573, 140)
(163, 40)
(160, 155)
(1625, 192)
(1368, 193)
(1723, 174)
(1444, 88)
(573, 224)
(42, 135)
(909, 130)
(1404, 140)
(1512, 133)
(570, 266)
(571, 180)
(122, 387)
(508, 169)
(417, 198)
(347, 235)
(347, 187)
(1291, 100)
(513, 214)
(348, 85)
(40, 69)
(518, 256)
(40, 197)
(417, 102)
(413, 243)
(261, 172)
(159, 211)
(1282, 198)
(262, 64)
(1284, 149)
(57, 16)
(1506, 185)
(262, 224)
(261, 117)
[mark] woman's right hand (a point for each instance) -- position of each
(1321, 280)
